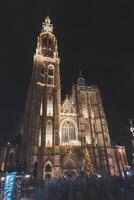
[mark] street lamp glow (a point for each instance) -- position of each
(27, 176)
(2, 178)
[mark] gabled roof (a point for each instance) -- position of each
(67, 106)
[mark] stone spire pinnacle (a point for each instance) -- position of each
(47, 26)
(80, 73)
(80, 80)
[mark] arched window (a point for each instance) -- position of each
(48, 168)
(47, 42)
(51, 70)
(68, 132)
(51, 75)
(49, 130)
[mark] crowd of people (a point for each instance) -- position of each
(84, 187)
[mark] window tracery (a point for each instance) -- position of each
(68, 132)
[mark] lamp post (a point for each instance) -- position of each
(132, 139)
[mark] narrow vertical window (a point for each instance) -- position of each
(50, 75)
(41, 108)
(49, 130)
(72, 135)
(64, 132)
(39, 139)
(51, 70)
(50, 105)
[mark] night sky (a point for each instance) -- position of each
(96, 36)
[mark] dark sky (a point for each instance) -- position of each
(96, 36)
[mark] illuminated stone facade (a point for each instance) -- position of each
(70, 136)
(9, 157)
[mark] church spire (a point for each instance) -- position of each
(47, 42)
(47, 26)
(80, 73)
(80, 80)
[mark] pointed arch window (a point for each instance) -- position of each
(68, 132)
(47, 43)
(49, 130)
(51, 75)
(48, 168)
(51, 70)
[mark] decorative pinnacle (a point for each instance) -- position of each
(47, 26)
(80, 73)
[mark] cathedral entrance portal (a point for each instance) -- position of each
(48, 170)
(69, 165)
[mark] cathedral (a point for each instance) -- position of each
(69, 136)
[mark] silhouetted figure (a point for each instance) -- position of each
(35, 169)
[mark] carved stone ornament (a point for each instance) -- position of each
(47, 26)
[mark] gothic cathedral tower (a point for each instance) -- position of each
(61, 139)
(41, 122)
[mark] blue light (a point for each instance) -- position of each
(8, 187)
(129, 173)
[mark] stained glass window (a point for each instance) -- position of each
(68, 132)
